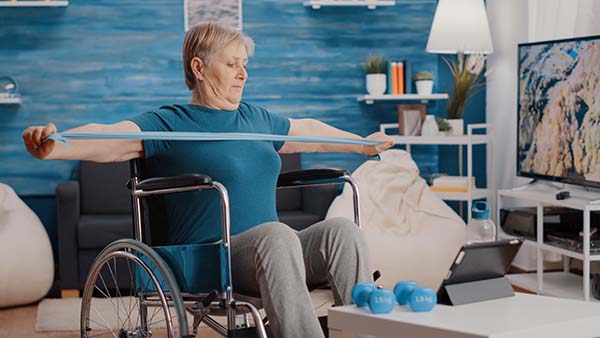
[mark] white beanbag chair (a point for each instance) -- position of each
(411, 233)
(26, 263)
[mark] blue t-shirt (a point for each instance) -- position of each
(248, 169)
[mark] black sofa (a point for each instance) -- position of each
(95, 210)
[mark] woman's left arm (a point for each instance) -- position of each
(312, 127)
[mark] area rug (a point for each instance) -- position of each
(63, 314)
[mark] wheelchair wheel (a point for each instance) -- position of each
(131, 293)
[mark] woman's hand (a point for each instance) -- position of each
(374, 150)
(33, 136)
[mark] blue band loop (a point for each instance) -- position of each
(195, 136)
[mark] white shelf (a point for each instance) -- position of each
(441, 140)
(371, 4)
(448, 140)
(10, 100)
(468, 140)
(556, 284)
(562, 251)
(579, 200)
(369, 99)
(553, 283)
(42, 3)
(463, 196)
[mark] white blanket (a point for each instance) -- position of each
(411, 233)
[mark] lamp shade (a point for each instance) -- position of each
(460, 26)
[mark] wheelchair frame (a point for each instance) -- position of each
(200, 305)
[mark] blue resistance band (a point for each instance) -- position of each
(191, 136)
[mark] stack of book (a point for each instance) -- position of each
(452, 184)
(399, 78)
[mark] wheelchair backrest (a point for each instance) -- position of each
(153, 210)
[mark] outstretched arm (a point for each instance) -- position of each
(312, 127)
(85, 150)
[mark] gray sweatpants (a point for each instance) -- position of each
(280, 264)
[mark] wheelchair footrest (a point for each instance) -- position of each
(247, 332)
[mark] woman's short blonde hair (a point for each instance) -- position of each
(206, 39)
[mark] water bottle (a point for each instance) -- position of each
(480, 228)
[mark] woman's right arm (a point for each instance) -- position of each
(84, 150)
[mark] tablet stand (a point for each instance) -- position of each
(476, 291)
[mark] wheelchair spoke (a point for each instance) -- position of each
(110, 299)
(131, 284)
(101, 334)
(109, 314)
(118, 299)
(107, 326)
(107, 294)
(155, 311)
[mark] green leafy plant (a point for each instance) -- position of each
(467, 74)
(443, 124)
(423, 76)
(375, 64)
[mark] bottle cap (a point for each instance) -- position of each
(480, 210)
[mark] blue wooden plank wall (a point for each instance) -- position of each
(105, 60)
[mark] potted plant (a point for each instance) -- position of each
(467, 80)
(376, 77)
(444, 127)
(423, 83)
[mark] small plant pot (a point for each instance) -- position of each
(376, 84)
(424, 87)
(457, 127)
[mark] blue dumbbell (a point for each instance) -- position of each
(381, 301)
(361, 293)
(378, 299)
(418, 299)
(422, 300)
(402, 291)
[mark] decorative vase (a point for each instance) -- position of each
(430, 127)
(457, 126)
(376, 84)
(424, 87)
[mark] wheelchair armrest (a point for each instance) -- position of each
(311, 177)
(173, 182)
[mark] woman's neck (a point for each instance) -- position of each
(211, 102)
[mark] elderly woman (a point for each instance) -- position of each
(268, 257)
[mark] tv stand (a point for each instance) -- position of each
(539, 183)
(593, 196)
(563, 283)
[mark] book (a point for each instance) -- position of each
(400, 78)
(452, 184)
(407, 77)
(394, 78)
(388, 89)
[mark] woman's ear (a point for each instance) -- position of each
(198, 68)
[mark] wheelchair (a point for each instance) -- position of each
(142, 288)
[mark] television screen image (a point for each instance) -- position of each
(559, 110)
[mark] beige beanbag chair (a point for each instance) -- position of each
(26, 263)
(411, 233)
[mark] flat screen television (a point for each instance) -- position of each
(558, 109)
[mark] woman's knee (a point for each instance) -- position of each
(278, 236)
(344, 228)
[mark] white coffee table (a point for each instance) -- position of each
(523, 315)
